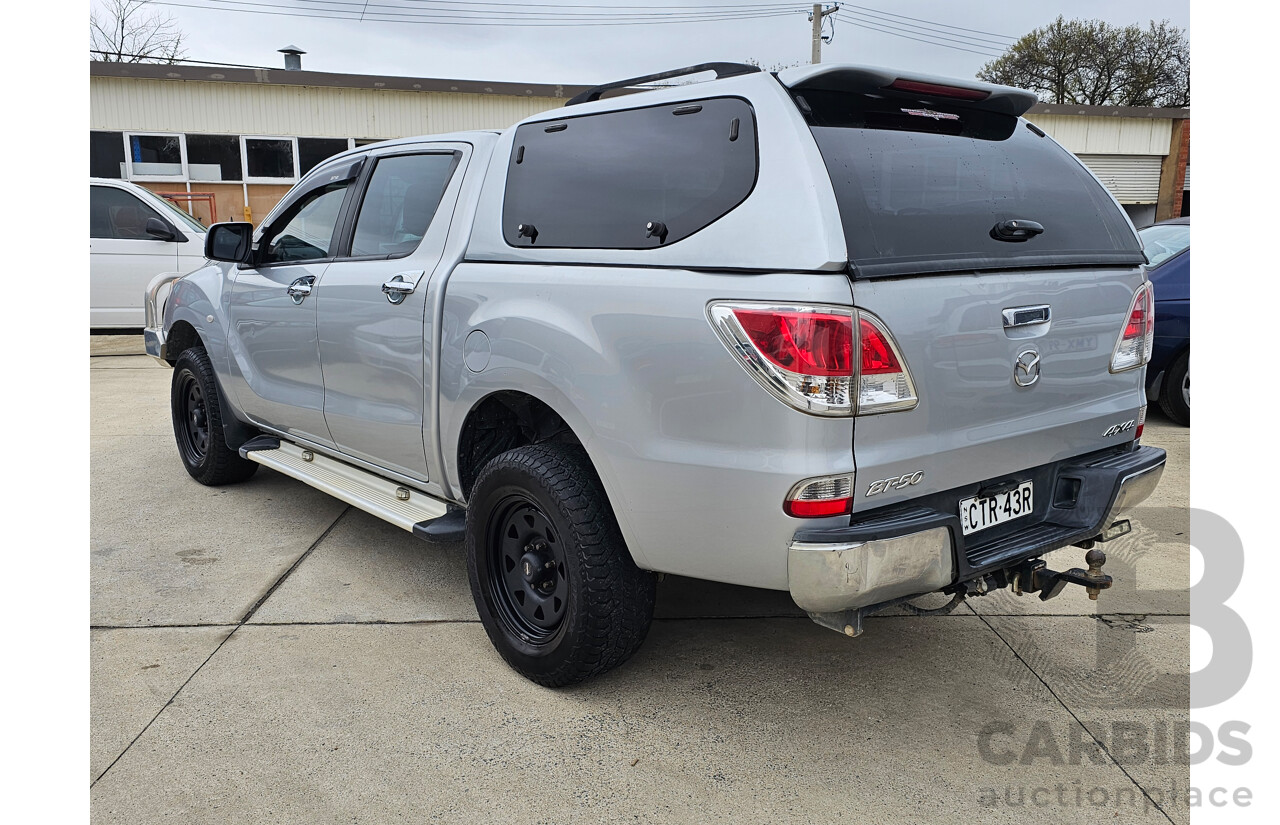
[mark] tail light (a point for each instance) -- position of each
(818, 497)
(810, 358)
(1142, 421)
(1133, 349)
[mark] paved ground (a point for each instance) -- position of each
(263, 653)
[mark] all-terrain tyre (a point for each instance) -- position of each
(553, 581)
(197, 423)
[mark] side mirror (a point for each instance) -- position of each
(230, 242)
(159, 230)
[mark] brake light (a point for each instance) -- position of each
(1133, 348)
(819, 497)
(815, 359)
(938, 90)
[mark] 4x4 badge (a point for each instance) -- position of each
(1026, 368)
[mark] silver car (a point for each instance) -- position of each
(853, 333)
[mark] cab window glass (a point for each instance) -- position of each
(305, 231)
(403, 194)
(114, 213)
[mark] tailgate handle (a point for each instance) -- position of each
(1026, 316)
(1016, 230)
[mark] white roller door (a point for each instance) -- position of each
(1131, 178)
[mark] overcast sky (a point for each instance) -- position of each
(598, 53)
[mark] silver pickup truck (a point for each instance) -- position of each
(853, 333)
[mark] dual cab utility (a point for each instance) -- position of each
(853, 333)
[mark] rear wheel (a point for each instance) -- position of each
(197, 423)
(1175, 395)
(554, 584)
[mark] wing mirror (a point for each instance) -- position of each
(231, 242)
(159, 230)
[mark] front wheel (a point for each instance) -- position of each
(197, 423)
(556, 588)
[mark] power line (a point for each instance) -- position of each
(888, 28)
(938, 32)
(863, 25)
(409, 16)
(469, 11)
(920, 20)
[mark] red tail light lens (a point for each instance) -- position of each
(809, 343)
(1142, 422)
(877, 353)
(1133, 349)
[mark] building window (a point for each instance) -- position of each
(106, 154)
(311, 151)
(270, 159)
(155, 157)
(214, 158)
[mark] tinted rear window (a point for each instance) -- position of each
(920, 189)
(598, 181)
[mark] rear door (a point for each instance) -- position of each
(374, 328)
(1004, 271)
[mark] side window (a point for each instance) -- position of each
(305, 231)
(400, 202)
(114, 213)
(610, 180)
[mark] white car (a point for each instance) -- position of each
(134, 235)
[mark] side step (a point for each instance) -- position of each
(406, 508)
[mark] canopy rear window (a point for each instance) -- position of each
(921, 187)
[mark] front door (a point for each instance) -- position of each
(274, 349)
(375, 327)
(123, 258)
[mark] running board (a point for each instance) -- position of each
(402, 506)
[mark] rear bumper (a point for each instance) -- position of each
(920, 548)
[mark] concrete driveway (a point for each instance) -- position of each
(264, 653)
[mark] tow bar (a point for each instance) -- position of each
(1035, 577)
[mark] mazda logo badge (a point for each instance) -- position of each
(1026, 368)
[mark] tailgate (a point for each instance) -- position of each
(973, 421)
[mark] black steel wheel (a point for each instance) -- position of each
(555, 587)
(197, 423)
(530, 590)
(1175, 396)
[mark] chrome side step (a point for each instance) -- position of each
(389, 501)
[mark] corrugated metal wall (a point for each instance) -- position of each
(1131, 178)
(129, 104)
(1108, 135)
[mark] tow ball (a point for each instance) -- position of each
(1036, 577)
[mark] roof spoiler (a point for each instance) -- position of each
(721, 70)
(872, 80)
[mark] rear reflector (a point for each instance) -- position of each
(1133, 348)
(818, 497)
(938, 90)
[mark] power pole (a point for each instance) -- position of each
(817, 16)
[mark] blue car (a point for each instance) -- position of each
(1168, 247)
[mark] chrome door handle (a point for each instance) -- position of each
(300, 288)
(401, 285)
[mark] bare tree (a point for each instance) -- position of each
(1093, 62)
(129, 31)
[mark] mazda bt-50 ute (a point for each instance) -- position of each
(853, 333)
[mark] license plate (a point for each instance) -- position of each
(979, 513)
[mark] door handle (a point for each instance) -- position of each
(401, 285)
(301, 288)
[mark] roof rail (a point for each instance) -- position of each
(721, 70)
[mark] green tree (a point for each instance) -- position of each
(1093, 62)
